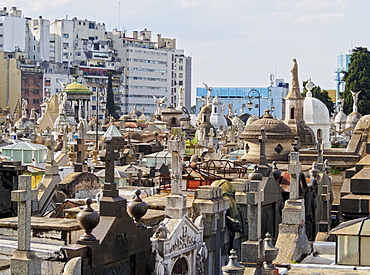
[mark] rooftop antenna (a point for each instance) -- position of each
(272, 79)
(119, 16)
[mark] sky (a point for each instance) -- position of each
(234, 42)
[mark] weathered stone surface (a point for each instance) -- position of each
(73, 267)
(294, 212)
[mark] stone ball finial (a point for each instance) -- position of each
(88, 219)
(137, 208)
(255, 175)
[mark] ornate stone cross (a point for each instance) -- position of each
(262, 140)
(294, 170)
(24, 196)
(176, 145)
(110, 156)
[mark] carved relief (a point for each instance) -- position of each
(183, 241)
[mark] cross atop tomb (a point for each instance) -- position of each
(110, 156)
(262, 140)
(176, 145)
(50, 143)
(80, 150)
(24, 196)
(294, 170)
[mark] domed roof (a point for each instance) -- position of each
(363, 123)
(77, 88)
(315, 111)
(272, 126)
(353, 117)
(340, 117)
(216, 100)
(170, 110)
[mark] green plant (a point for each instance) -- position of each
(334, 170)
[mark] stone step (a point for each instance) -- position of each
(44, 251)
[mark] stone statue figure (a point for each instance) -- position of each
(81, 129)
(62, 102)
(180, 102)
(294, 71)
(355, 100)
(159, 102)
(208, 97)
(24, 107)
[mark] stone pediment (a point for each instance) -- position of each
(183, 236)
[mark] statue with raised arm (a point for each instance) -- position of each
(62, 102)
(159, 102)
(294, 71)
(355, 101)
(24, 107)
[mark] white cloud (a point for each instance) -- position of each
(319, 17)
(311, 5)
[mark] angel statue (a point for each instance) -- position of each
(159, 102)
(355, 100)
(208, 97)
(180, 103)
(24, 107)
(62, 102)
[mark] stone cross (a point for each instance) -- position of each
(110, 156)
(80, 150)
(210, 139)
(262, 140)
(50, 143)
(176, 145)
(24, 196)
(294, 169)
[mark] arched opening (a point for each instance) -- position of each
(173, 121)
(292, 113)
(319, 133)
(215, 110)
(180, 267)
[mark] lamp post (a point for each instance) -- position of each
(97, 113)
(250, 103)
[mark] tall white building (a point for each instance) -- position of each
(12, 30)
(149, 69)
(38, 39)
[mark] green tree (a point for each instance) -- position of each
(321, 95)
(110, 97)
(357, 78)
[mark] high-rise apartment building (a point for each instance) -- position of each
(12, 30)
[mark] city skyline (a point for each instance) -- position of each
(234, 44)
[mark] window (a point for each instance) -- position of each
(181, 60)
(181, 68)
(65, 35)
(91, 25)
(91, 38)
(65, 45)
(1, 35)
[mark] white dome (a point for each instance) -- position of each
(340, 117)
(315, 111)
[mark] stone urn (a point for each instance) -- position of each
(270, 254)
(88, 219)
(137, 208)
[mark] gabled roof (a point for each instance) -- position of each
(24, 146)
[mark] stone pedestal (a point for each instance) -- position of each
(292, 240)
(176, 206)
(293, 212)
(249, 253)
(25, 262)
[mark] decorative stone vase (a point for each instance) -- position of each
(270, 254)
(137, 208)
(88, 219)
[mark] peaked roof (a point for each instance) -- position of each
(112, 131)
(24, 146)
